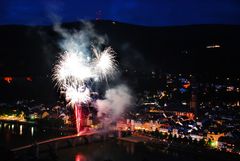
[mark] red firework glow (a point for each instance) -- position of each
(80, 157)
(78, 116)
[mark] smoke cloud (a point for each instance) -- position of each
(80, 40)
(115, 103)
(117, 99)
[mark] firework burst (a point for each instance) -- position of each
(74, 69)
(105, 63)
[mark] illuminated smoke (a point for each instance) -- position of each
(115, 103)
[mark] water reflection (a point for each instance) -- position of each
(20, 130)
(32, 131)
(12, 128)
(80, 157)
(113, 150)
(17, 129)
(128, 146)
(17, 134)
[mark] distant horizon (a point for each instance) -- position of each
(113, 21)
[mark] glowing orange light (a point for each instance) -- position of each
(29, 78)
(186, 85)
(213, 46)
(8, 79)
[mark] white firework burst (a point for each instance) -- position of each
(74, 69)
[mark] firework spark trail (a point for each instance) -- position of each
(78, 116)
(74, 69)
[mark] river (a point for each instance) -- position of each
(15, 135)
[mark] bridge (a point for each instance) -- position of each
(53, 145)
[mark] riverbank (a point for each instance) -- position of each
(17, 122)
(180, 148)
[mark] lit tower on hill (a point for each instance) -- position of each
(99, 15)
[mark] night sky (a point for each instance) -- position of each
(141, 12)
